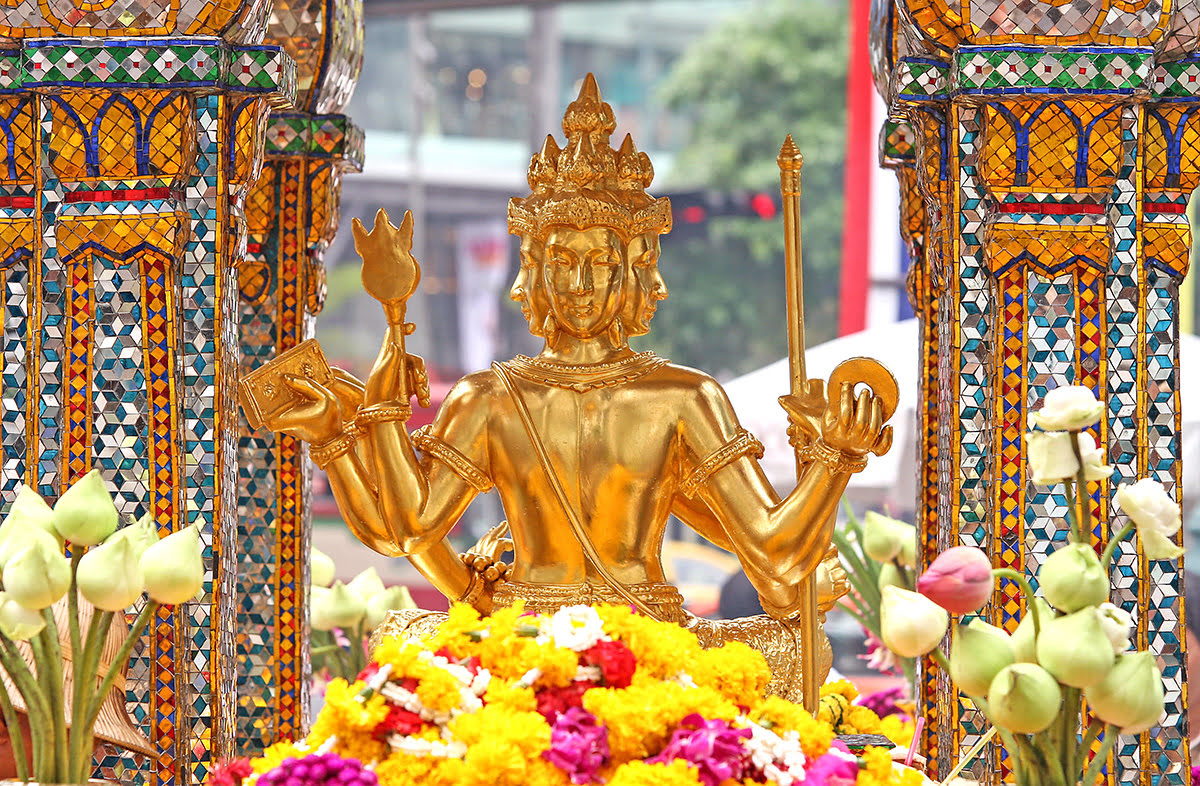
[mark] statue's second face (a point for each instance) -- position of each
(584, 272)
(647, 287)
(527, 289)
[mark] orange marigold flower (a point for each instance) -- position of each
(639, 773)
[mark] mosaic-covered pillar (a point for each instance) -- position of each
(133, 134)
(1053, 147)
(292, 215)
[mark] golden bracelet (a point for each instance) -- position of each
(323, 454)
(836, 461)
(452, 458)
(383, 413)
(475, 588)
(742, 444)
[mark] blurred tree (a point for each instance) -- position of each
(779, 68)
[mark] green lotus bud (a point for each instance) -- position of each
(336, 607)
(367, 584)
(392, 598)
(1024, 698)
(85, 514)
(29, 509)
(1024, 645)
(889, 576)
(141, 535)
(1131, 696)
(173, 568)
(17, 622)
(37, 576)
(15, 537)
(321, 570)
(910, 624)
(978, 652)
(1075, 649)
(1071, 578)
(884, 538)
(109, 576)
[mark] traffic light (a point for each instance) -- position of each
(693, 209)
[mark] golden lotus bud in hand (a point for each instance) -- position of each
(389, 271)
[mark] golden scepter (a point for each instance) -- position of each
(790, 162)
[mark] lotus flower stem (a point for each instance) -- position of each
(121, 658)
(1110, 739)
(18, 740)
(971, 754)
(1068, 737)
(44, 646)
(87, 665)
(1113, 542)
(73, 605)
(1093, 733)
(1012, 575)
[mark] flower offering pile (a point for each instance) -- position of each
(588, 695)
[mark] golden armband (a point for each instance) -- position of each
(452, 458)
(383, 413)
(835, 461)
(742, 444)
(323, 454)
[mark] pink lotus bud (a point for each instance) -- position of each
(959, 580)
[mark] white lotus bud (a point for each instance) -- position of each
(173, 568)
(85, 514)
(109, 575)
(17, 622)
(37, 576)
(321, 569)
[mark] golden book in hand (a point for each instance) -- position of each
(263, 391)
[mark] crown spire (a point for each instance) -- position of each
(585, 183)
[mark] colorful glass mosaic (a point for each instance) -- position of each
(118, 198)
(291, 216)
(1056, 146)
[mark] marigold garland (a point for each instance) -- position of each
(587, 695)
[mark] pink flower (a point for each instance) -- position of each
(714, 747)
(959, 580)
(837, 767)
(578, 745)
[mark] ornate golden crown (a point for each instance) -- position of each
(587, 183)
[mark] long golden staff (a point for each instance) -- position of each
(790, 162)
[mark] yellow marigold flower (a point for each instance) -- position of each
(273, 756)
(348, 719)
(401, 654)
(840, 688)
(542, 773)
(460, 633)
(438, 690)
(661, 648)
(495, 762)
(639, 773)
(877, 769)
(736, 671)
(897, 730)
(509, 695)
(859, 720)
(640, 718)
(527, 731)
(511, 658)
(782, 715)
(404, 770)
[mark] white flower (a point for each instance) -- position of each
(1156, 515)
(321, 570)
(38, 576)
(367, 584)
(912, 624)
(17, 622)
(779, 757)
(1117, 624)
(173, 567)
(109, 575)
(577, 628)
(1068, 408)
(378, 606)
(1051, 458)
(335, 607)
(85, 514)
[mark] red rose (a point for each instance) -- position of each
(616, 662)
(552, 702)
(369, 672)
(398, 721)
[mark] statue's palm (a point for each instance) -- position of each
(855, 426)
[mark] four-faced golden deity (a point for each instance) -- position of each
(590, 445)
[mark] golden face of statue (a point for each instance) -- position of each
(648, 285)
(584, 275)
(527, 289)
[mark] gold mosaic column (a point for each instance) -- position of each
(133, 133)
(1053, 147)
(292, 215)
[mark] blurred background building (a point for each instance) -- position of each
(456, 94)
